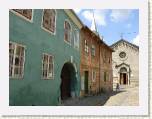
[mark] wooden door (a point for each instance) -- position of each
(86, 74)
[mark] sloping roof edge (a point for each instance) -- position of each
(96, 35)
(122, 40)
(74, 17)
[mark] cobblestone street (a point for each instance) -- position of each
(127, 96)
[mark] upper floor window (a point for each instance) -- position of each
(49, 20)
(27, 13)
(67, 32)
(122, 54)
(86, 47)
(16, 60)
(47, 66)
(76, 39)
(104, 56)
(93, 50)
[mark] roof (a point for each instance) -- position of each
(98, 37)
(74, 17)
(122, 40)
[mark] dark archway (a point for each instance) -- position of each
(68, 80)
(123, 76)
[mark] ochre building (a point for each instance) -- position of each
(96, 63)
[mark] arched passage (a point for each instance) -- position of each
(68, 80)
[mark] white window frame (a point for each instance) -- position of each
(48, 78)
(86, 47)
(23, 17)
(76, 44)
(21, 77)
(66, 20)
(94, 76)
(93, 50)
(53, 33)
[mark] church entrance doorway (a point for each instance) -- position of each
(123, 79)
(123, 76)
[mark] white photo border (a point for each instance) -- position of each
(141, 110)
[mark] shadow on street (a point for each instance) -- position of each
(96, 100)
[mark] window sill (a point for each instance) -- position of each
(53, 33)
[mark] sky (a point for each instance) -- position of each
(113, 24)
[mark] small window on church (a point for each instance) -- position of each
(122, 54)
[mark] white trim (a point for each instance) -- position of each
(22, 75)
(23, 17)
(93, 75)
(52, 69)
(70, 43)
(93, 50)
(76, 31)
(53, 33)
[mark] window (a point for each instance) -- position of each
(123, 70)
(105, 77)
(86, 47)
(109, 60)
(16, 60)
(67, 32)
(76, 39)
(93, 50)
(27, 13)
(104, 56)
(93, 76)
(122, 54)
(49, 20)
(47, 66)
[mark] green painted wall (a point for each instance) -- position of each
(32, 89)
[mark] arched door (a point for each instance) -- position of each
(68, 80)
(123, 76)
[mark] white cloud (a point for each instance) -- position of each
(77, 10)
(128, 25)
(120, 15)
(99, 15)
(136, 40)
(87, 15)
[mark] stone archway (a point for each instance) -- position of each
(68, 80)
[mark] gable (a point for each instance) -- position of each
(123, 43)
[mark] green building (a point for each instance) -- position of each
(44, 56)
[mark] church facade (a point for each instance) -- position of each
(125, 63)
